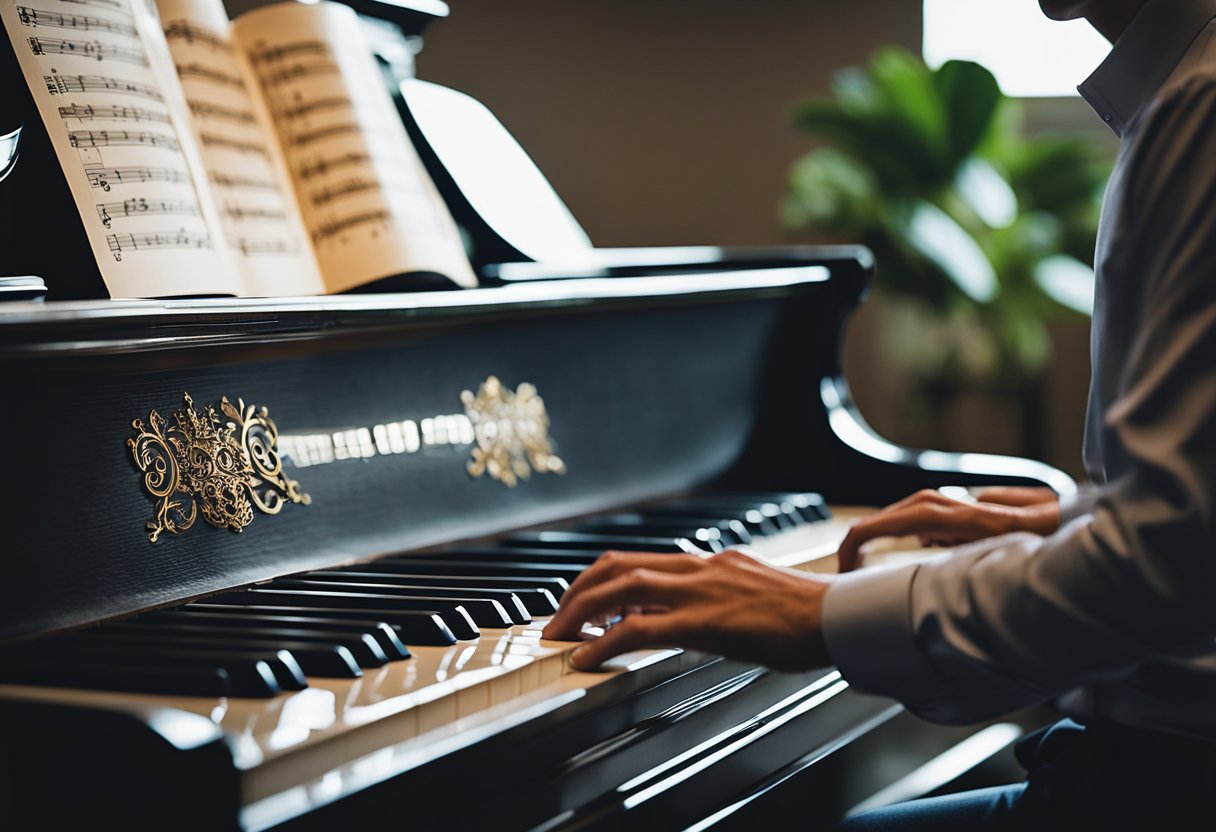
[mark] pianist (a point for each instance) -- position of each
(1106, 606)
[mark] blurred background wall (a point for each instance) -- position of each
(668, 123)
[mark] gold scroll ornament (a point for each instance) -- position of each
(222, 465)
(511, 430)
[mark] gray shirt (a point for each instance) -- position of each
(1113, 616)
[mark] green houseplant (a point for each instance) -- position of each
(991, 231)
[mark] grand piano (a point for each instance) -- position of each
(283, 565)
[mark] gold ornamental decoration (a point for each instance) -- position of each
(222, 463)
(511, 433)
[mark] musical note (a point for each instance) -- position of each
(232, 181)
(39, 17)
(331, 228)
(350, 186)
(323, 165)
(89, 111)
(116, 138)
(211, 140)
(264, 247)
(295, 71)
(197, 70)
(279, 53)
(104, 177)
(193, 33)
(309, 136)
(109, 211)
(238, 213)
(88, 49)
(308, 108)
(64, 84)
(118, 243)
(203, 109)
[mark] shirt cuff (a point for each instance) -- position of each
(867, 626)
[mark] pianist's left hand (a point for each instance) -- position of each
(728, 604)
(941, 520)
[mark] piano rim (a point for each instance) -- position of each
(32, 329)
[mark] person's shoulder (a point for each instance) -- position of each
(1189, 98)
(1170, 143)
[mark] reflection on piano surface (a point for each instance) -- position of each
(371, 654)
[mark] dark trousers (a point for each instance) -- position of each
(1095, 777)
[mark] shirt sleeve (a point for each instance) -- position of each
(1008, 622)
(1082, 501)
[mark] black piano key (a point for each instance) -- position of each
(809, 504)
(599, 542)
(578, 558)
(706, 537)
(457, 616)
(555, 586)
(754, 520)
(284, 663)
(511, 599)
(779, 515)
(385, 634)
(363, 646)
(730, 532)
(249, 674)
(126, 678)
(488, 610)
(537, 600)
(486, 563)
(419, 628)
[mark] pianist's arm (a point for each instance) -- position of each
(1111, 611)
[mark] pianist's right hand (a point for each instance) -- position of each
(729, 604)
(940, 520)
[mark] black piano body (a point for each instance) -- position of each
(691, 378)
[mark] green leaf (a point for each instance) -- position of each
(970, 98)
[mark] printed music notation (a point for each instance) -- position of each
(233, 181)
(212, 140)
(103, 177)
(323, 165)
(204, 109)
(310, 107)
(304, 48)
(197, 70)
(190, 33)
(118, 138)
(89, 111)
(64, 84)
(350, 186)
(307, 137)
(40, 17)
(297, 71)
(332, 228)
(254, 248)
(238, 213)
(113, 5)
(88, 49)
(109, 211)
(119, 243)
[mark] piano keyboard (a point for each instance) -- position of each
(313, 674)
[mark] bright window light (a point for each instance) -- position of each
(1030, 55)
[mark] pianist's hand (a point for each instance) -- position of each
(728, 604)
(939, 520)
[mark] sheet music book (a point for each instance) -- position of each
(255, 157)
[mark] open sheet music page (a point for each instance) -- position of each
(245, 169)
(370, 208)
(120, 134)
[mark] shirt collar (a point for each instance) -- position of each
(1143, 57)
